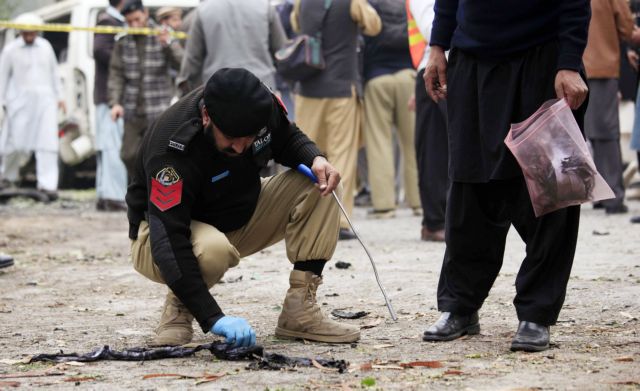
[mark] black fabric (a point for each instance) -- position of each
(500, 29)
(238, 103)
(432, 154)
(315, 266)
(387, 52)
(216, 190)
(484, 98)
(102, 47)
(222, 351)
(478, 218)
(160, 245)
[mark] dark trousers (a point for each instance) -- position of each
(478, 219)
(488, 193)
(608, 159)
(134, 129)
(432, 156)
(602, 128)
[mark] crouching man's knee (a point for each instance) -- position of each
(214, 252)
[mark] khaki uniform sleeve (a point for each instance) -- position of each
(366, 17)
(624, 19)
(293, 18)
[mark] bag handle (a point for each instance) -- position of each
(327, 5)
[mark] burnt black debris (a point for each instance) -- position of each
(261, 359)
(342, 265)
(349, 315)
(277, 362)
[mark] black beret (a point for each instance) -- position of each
(237, 102)
(131, 6)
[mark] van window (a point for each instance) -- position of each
(59, 40)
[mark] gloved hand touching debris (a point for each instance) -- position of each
(237, 331)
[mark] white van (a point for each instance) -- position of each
(74, 51)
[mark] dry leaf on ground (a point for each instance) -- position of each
(425, 364)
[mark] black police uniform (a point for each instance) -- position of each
(180, 176)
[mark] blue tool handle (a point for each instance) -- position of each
(307, 172)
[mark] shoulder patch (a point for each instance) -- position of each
(166, 189)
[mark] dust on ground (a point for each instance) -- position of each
(73, 289)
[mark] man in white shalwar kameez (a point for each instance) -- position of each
(30, 93)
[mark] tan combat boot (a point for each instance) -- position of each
(301, 316)
(175, 326)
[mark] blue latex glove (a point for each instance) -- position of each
(237, 331)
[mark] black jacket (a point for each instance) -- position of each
(388, 52)
(180, 177)
(102, 47)
(499, 29)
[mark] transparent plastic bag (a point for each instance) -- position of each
(555, 159)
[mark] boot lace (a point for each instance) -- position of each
(312, 289)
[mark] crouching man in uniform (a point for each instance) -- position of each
(197, 205)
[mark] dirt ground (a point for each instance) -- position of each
(73, 289)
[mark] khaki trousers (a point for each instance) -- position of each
(289, 208)
(385, 106)
(334, 125)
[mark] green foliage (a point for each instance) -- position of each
(368, 382)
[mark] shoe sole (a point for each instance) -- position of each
(525, 347)
(6, 264)
(283, 333)
(469, 330)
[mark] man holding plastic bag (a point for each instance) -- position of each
(507, 58)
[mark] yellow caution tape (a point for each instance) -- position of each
(66, 28)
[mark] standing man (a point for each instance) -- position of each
(327, 104)
(139, 79)
(197, 205)
(389, 81)
(431, 127)
(31, 94)
(111, 174)
(611, 22)
(170, 17)
(502, 66)
(231, 33)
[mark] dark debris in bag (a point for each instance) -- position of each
(222, 351)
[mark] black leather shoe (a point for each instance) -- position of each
(531, 337)
(346, 234)
(450, 327)
(635, 220)
(106, 205)
(5, 261)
